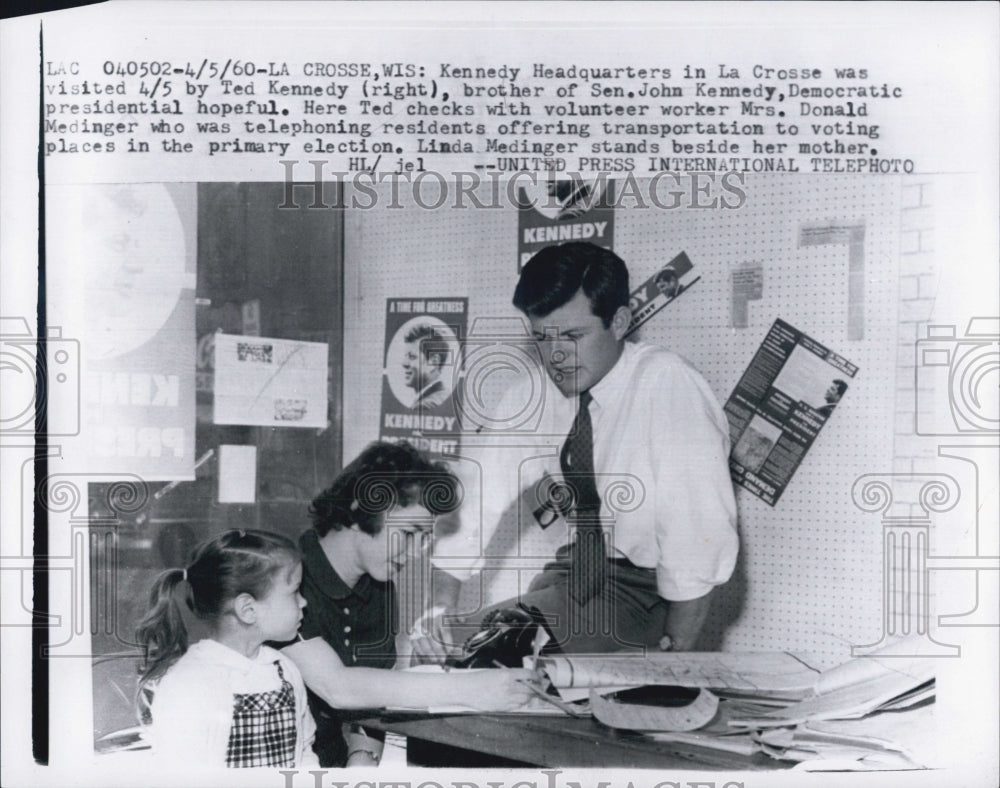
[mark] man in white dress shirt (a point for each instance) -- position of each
(662, 494)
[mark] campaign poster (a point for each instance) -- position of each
(660, 290)
(556, 211)
(423, 356)
(786, 395)
(130, 251)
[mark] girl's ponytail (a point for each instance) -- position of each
(161, 632)
(233, 563)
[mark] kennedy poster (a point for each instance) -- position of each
(423, 355)
(131, 254)
(660, 290)
(557, 210)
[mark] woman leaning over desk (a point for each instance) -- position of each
(364, 526)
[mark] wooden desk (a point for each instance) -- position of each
(560, 742)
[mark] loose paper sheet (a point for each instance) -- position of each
(237, 474)
(773, 671)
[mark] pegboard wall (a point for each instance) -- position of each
(809, 574)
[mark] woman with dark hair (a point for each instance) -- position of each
(377, 512)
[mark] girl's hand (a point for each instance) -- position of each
(500, 689)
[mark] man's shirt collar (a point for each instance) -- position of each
(609, 389)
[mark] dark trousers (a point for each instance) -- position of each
(629, 614)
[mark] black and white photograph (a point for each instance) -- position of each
(355, 430)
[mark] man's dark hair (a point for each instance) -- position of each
(430, 341)
(841, 386)
(384, 475)
(552, 278)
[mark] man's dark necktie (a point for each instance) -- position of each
(589, 555)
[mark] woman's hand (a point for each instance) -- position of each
(362, 749)
(499, 689)
(430, 642)
(362, 758)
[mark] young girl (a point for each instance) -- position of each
(229, 699)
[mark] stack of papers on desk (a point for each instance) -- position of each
(773, 703)
(861, 686)
(719, 734)
(771, 677)
(808, 744)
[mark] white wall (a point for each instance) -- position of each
(810, 571)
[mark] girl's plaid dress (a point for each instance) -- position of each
(263, 732)
(217, 707)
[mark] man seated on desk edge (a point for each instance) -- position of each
(612, 411)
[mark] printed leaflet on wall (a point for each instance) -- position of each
(777, 409)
